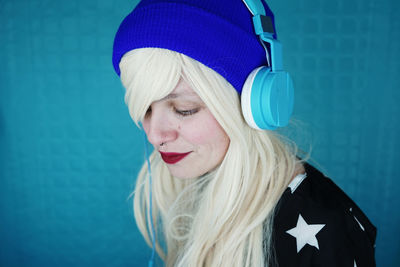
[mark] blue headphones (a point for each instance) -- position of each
(267, 96)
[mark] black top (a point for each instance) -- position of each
(317, 224)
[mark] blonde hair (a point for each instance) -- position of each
(223, 218)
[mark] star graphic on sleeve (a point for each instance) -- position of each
(305, 233)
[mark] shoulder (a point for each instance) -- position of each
(316, 223)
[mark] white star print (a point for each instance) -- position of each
(305, 233)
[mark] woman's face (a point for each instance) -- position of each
(180, 126)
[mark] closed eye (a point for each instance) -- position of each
(185, 113)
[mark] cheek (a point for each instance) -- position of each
(205, 131)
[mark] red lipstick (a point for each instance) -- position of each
(172, 158)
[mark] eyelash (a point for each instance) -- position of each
(185, 113)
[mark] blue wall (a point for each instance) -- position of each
(69, 153)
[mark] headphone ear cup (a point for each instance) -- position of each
(246, 99)
(267, 99)
(281, 98)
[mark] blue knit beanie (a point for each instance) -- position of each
(217, 33)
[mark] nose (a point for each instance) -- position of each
(159, 127)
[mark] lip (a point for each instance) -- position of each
(172, 157)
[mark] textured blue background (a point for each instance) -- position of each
(69, 153)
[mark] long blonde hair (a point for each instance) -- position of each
(223, 218)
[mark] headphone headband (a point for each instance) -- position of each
(267, 95)
(255, 7)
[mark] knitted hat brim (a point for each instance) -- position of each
(210, 39)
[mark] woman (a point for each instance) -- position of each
(223, 193)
